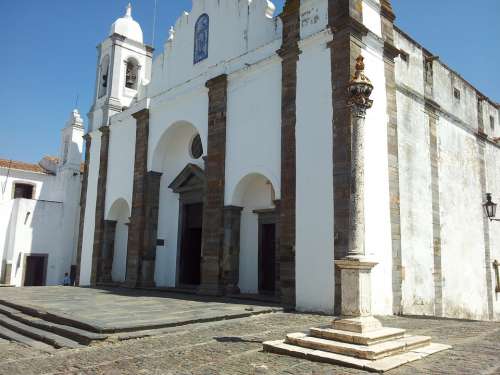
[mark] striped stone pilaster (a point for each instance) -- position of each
(488, 262)
(100, 206)
(83, 203)
(433, 116)
(390, 53)
(289, 53)
(345, 20)
(107, 252)
(215, 169)
(135, 244)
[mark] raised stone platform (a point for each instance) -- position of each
(380, 349)
(118, 310)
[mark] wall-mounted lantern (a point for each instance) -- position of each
(490, 208)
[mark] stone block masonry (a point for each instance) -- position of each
(215, 167)
(135, 244)
(289, 54)
(100, 205)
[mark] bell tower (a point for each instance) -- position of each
(123, 65)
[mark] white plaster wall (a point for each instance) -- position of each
(410, 73)
(89, 223)
(313, 17)
(37, 231)
(378, 243)
(253, 134)
(121, 161)
(462, 240)
(173, 150)
(465, 108)
(416, 207)
(47, 187)
(6, 212)
(189, 105)
(236, 27)
(314, 255)
(371, 16)
(256, 193)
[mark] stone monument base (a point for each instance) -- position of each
(378, 349)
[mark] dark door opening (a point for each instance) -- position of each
(267, 258)
(190, 254)
(36, 269)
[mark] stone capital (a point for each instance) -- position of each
(216, 81)
(141, 115)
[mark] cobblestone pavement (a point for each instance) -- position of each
(234, 347)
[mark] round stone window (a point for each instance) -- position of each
(196, 147)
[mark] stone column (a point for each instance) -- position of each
(100, 205)
(231, 249)
(135, 243)
(107, 251)
(215, 169)
(355, 268)
(151, 228)
(289, 53)
(345, 19)
(83, 203)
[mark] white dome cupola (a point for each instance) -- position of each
(127, 26)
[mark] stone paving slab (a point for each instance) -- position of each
(125, 310)
(234, 347)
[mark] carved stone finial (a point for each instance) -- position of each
(359, 90)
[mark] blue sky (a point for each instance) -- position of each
(49, 55)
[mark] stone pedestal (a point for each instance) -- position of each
(356, 296)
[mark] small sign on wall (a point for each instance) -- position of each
(160, 242)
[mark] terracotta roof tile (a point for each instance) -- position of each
(21, 166)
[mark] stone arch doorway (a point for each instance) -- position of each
(178, 157)
(190, 186)
(116, 240)
(258, 259)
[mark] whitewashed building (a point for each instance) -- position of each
(223, 165)
(39, 213)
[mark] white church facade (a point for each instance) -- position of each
(222, 166)
(39, 213)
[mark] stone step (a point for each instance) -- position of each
(79, 335)
(51, 317)
(380, 365)
(10, 335)
(375, 351)
(38, 334)
(369, 338)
